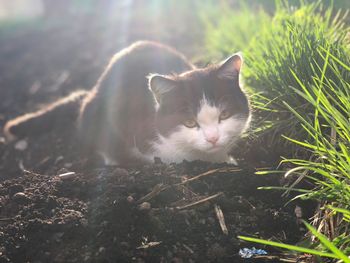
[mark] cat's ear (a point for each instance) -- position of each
(230, 67)
(159, 85)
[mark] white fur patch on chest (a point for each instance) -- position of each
(171, 150)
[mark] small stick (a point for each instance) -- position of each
(220, 216)
(155, 191)
(199, 202)
(188, 248)
(160, 187)
(67, 176)
(218, 170)
(150, 244)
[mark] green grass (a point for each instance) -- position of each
(291, 46)
(229, 31)
(334, 253)
(271, 48)
(329, 165)
(297, 70)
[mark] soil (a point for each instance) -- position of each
(95, 213)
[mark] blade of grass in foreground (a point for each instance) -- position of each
(336, 253)
(287, 246)
(328, 244)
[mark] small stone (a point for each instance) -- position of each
(20, 198)
(15, 188)
(67, 176)
(145, 206)
(21, 145)
(101, 250)
(130, 199)
(87, 258)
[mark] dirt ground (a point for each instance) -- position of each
(153, 213)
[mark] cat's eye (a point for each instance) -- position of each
(225, 114)
(190, 123)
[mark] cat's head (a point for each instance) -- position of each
(204, 109)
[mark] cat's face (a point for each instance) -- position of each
(203, 110)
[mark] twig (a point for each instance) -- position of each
(220, 216)
(150, 244)
(155, 191)
(161, 187)
(218, 170)
(199, 202)
(188, 248)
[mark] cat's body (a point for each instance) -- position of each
(130, 115)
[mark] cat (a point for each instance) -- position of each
(152, 102)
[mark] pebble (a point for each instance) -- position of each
(15, 188)
(67, 176)
(21, 145)
(145, 206)
(130, 199)
(101, 250)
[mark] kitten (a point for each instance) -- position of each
(151, 102)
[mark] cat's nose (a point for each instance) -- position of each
(212, 139)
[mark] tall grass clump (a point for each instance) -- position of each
(291, 47)
(287, 43)
(230, 30)
(329, 143)
(298, 75)
(329, 165)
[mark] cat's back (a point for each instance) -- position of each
(120, 109)
(153, 56)
(133, 64)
